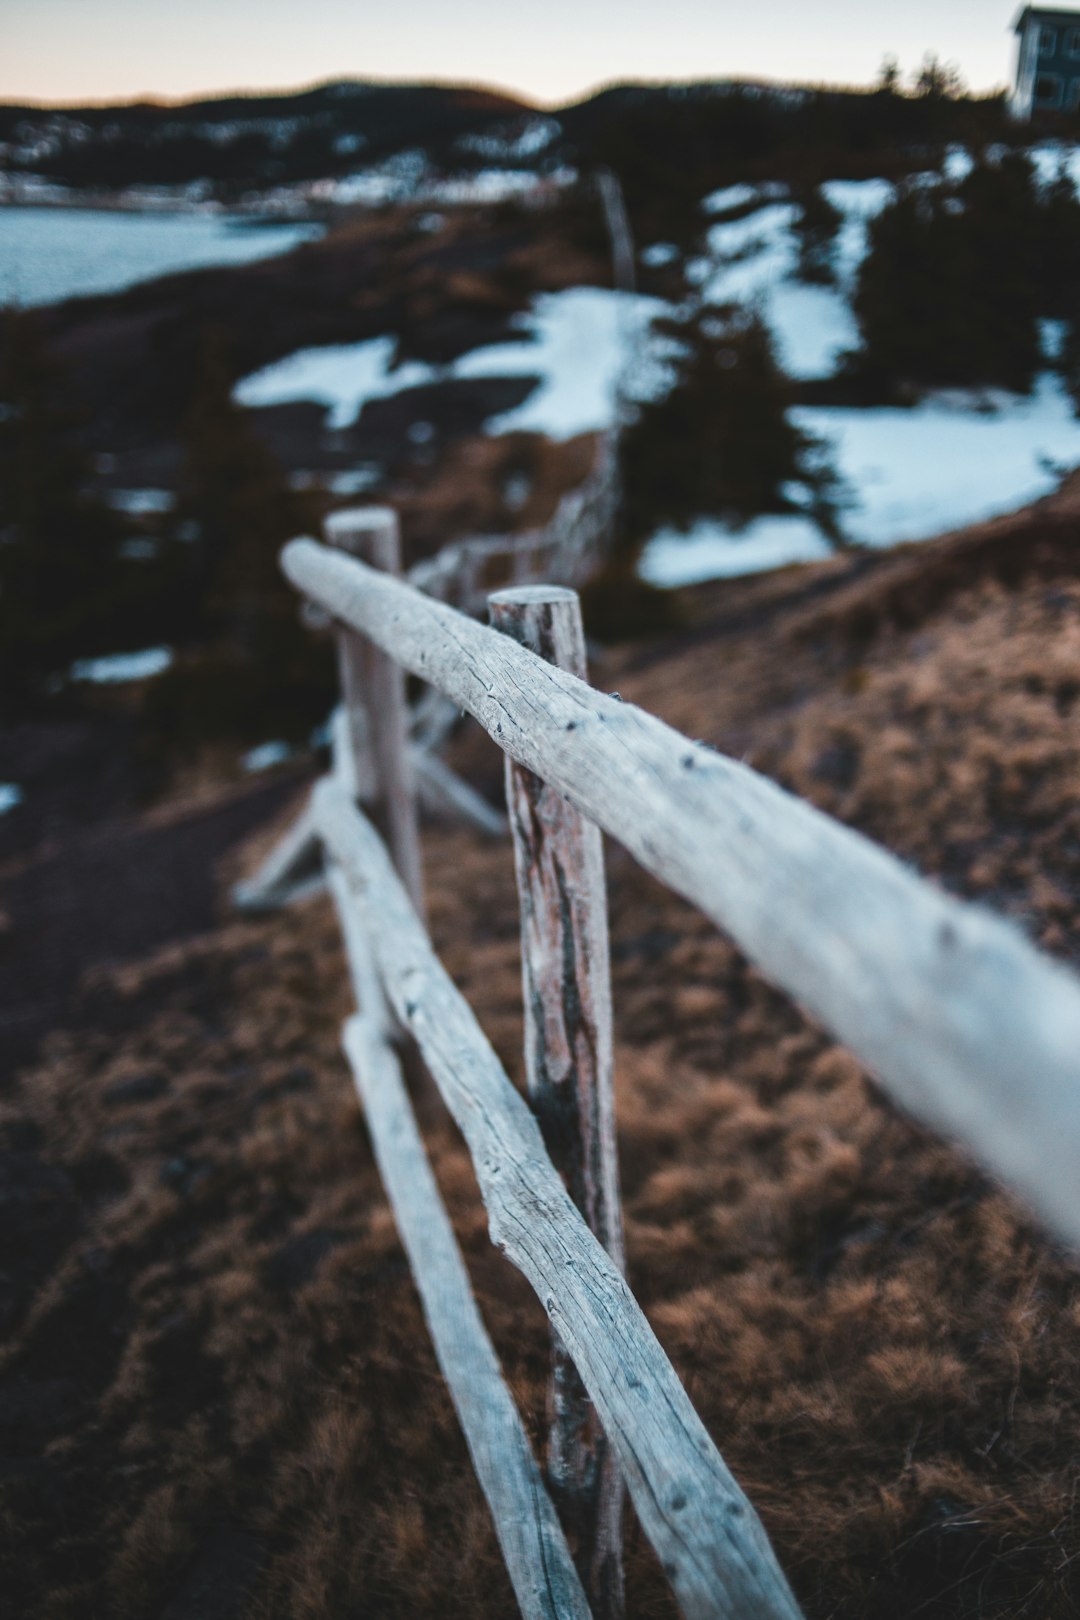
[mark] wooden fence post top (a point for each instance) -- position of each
(544, 618)
(364, 531)
(529, 596)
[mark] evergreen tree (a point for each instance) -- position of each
(937, 80)
(888, 79)
(722, 443)
(816, 227)
(1059, 245)
(955, 279)
(57, 543)
(256, 670)
(237, 508)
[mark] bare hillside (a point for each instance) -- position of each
(218, 1395)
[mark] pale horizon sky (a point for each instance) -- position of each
(71, 51)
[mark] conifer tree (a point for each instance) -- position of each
(57, 542)
(817, 225)
(722, 443)
(956, 277)
(258, 670)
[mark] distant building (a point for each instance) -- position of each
(1047, 62)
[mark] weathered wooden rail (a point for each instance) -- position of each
(566, 551)
(962, 1021)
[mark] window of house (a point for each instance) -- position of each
(1072, 95)
(1048, 89)
(1072, 42)
(1047, 40)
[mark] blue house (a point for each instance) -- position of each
(1047, 62)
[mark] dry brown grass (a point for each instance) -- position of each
(223, 1382)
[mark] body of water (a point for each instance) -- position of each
(48, 254)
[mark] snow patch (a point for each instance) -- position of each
(341, 376)
(729, 197)
(657, 254)
(946, 463)
(514, 142)
(713, 550)
(266, 756)
(140, 502)
(576, 343)
(117, 667)
(355, 481)
(912, 474)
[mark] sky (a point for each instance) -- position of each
(548, 51)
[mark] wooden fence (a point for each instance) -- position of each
(568, 550)
(963, 1022)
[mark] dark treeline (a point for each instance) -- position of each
(669, 148)
(245, 142)
(722, 443)
(959, 274)
(662, 141)
(79, 579)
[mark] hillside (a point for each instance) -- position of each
(243, 140)
(668, 143)
(218, 1394)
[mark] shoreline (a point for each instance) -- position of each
(169, 208)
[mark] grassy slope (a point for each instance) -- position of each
(217, 1378)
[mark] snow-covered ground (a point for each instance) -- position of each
(947, 462)
(47, 254)
(407, 177)
(115, 668)
(265, 756)
(343, 377)
(141, 502)
(753, 260)
(711, 550)
(576, 344)
(912, 474)
(579, 343)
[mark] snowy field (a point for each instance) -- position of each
(909, 474)
(48, 254)
(912, 474)
(753, 260)
(575, 343)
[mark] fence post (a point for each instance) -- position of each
(373, 694)
(566, 976)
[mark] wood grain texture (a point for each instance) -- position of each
(373, 695)
(566, 988)
(964, 1022)
(706, 1534)
(534, 1548)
